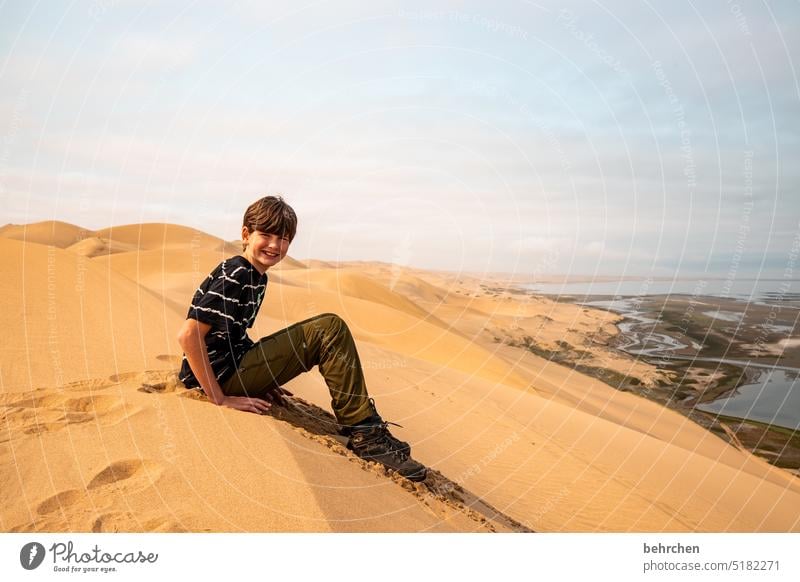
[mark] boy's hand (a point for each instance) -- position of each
(247, 404)
(276, 394)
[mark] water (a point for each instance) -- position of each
(774, 399)
(637, 335)
(762, 290)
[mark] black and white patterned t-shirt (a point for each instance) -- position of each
(228, 300)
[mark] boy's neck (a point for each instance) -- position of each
(253, 264)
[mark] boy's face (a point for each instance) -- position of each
(264, 250)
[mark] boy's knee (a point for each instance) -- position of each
(333, 319)
(328, 323)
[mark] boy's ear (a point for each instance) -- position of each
(245, 234)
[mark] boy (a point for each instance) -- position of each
(234, 371)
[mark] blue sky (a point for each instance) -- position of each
(530, 137)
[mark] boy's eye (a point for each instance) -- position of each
(270, 235)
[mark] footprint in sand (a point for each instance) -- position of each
(148, 376)
(60, 501)
(90, 385)
(130, 474)
(194, 394)
(123, 377)
(42, 411)
(92, 509)
(123, 521)
(159, 381)
(148, 381)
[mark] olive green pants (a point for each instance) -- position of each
(324, 341)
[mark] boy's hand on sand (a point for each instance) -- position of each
(247, 404)
(276, 394)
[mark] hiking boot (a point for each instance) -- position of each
(375, 443)
(402, 446)
(375, 420)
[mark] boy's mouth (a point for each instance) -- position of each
(270, 255)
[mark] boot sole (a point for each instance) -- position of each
(417, 476)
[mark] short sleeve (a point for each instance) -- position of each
(216, 302)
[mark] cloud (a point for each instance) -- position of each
(539, 244)
(523, 146)
(596, 247)
(153, 54)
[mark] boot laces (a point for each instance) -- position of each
(386, 438)
(380, 437)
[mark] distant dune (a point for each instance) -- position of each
(51, 232)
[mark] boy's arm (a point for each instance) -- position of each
(192, 339)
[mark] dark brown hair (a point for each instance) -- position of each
(270, 215)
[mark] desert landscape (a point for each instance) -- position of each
(98, 434)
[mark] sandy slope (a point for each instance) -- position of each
(103, 456)
(96, 435)
(51, 232)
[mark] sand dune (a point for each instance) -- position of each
(149, 467)
(131, 237)
(99, 436)
(150, 236)
(51, 232)
(376, 323)
(286, 264)
(560, 469)
(67, 319)
(173, 273)
(95, 246)
(353, 284)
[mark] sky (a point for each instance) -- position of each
(582, 138)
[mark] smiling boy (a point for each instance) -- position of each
(236, 372)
